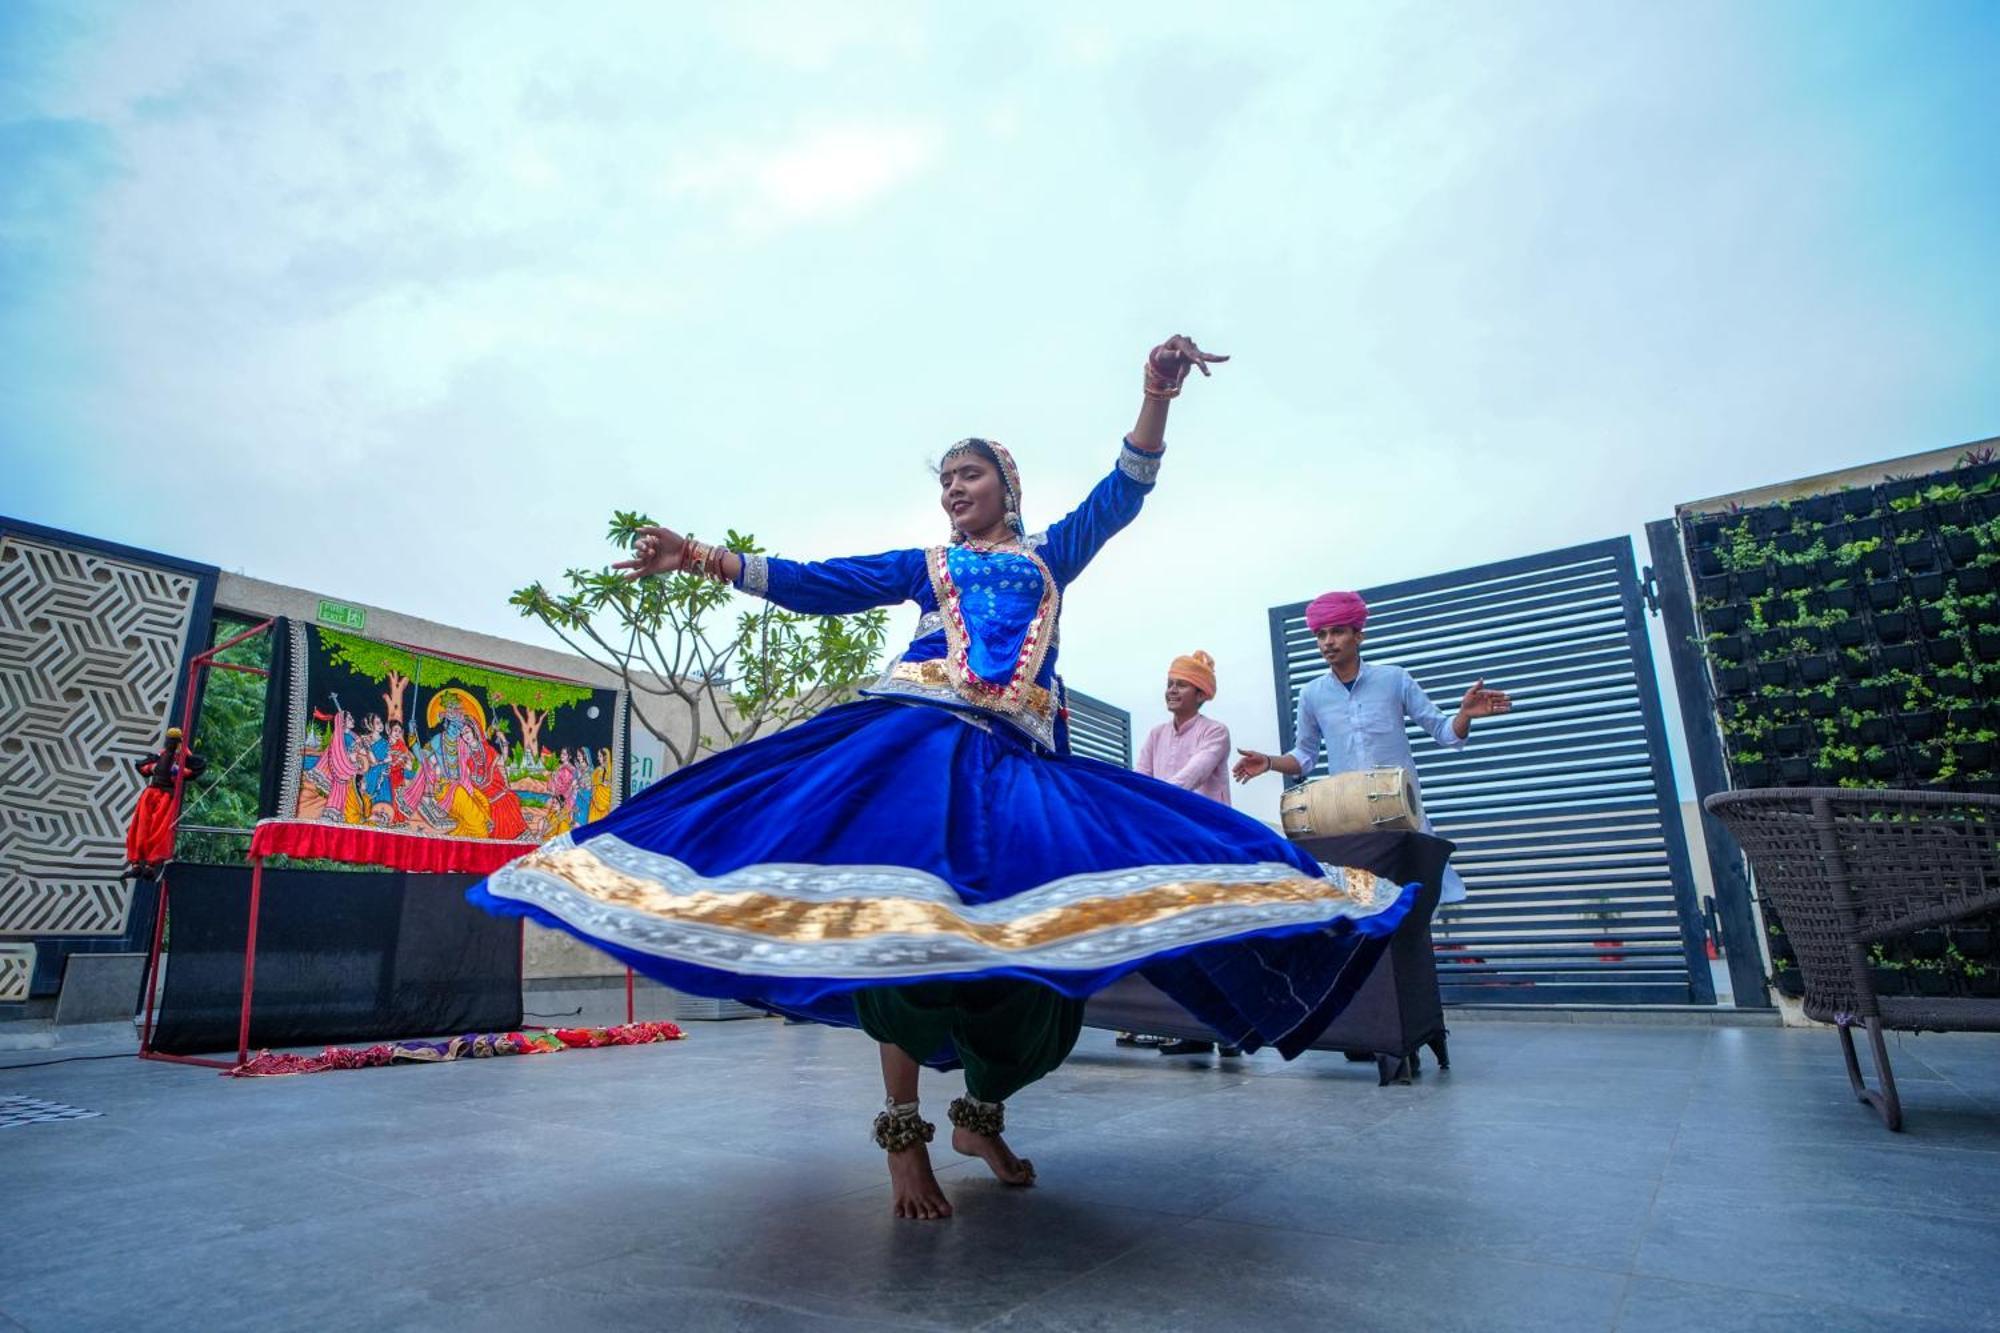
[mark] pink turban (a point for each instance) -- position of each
(1336, 608)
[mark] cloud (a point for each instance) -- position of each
(1494, 281)
(809, 35)
(50, 171)
(822, 174)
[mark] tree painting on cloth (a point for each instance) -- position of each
(396, 756)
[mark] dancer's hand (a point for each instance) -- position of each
(1251, 765)
(658, 551)
(1482, 702)
(1171, 361)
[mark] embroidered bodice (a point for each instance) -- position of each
(986, 640)
(1000, 598)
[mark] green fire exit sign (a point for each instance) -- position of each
(347, 617)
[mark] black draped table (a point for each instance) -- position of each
(339, 957)
(1396, 1012)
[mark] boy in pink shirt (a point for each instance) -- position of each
(1190, 751)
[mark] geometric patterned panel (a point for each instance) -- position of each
(89, 649)
(17, 1111)
(17, 965)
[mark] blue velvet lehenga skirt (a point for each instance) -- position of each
(885, 843)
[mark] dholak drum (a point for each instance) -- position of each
(1368, 800)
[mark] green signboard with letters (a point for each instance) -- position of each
(346, 617)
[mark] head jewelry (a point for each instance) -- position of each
(1010, 478)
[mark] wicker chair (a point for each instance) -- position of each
(1851, 868)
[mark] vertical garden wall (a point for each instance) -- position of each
(1852, 638)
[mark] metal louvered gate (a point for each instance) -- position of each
(1564, 811)
(1099, 730)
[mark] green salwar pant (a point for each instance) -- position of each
(1006, 1033)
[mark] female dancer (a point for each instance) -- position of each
(930, 862)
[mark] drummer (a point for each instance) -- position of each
(1360, 709)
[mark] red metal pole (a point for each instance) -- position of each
(628, 996)
(197, 664)
(153, 964)
(250, 633)
(250, 959)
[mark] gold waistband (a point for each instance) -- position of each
(934, 675)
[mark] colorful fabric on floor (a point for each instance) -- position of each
(268, 1064)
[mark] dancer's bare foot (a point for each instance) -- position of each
(993, 1150)
(915, 1186)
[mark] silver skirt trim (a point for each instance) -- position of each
(890, 957)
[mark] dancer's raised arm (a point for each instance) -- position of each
(1167, 368)
(664, 551)
(1075, 539)
(821, 588)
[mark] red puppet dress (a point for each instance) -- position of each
(149, 838)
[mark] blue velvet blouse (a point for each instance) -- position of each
(986, 644)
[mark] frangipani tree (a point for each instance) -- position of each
(684, 645)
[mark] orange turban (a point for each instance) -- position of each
(1197, 669)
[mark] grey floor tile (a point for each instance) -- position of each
(1656, 1305)
(1936, 1116)
(1753, 1170)
(84, 1229)
(851, 1259)
(729, 1181)
(583, 1301)
(1494, 1204)
(303, 1274)
(1184, 1176)
(1212, 1275)
(1931, 1266)
(1459, 1135)
(1648, 1107)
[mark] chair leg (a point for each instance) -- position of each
(1393, 1069)
(1884, 1103)
(1438, 1049)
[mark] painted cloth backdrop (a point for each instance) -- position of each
(378, 753)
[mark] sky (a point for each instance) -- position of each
(398, 303)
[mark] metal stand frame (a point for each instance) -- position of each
(197, 667)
